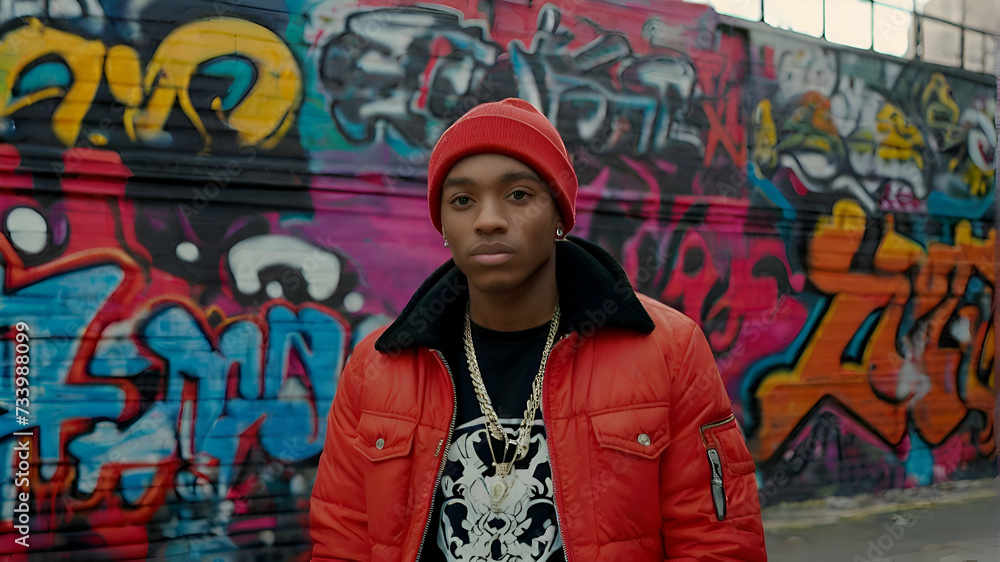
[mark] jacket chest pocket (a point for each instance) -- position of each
(384, 436)
(386, 441)
(624, 475)
(643, 431)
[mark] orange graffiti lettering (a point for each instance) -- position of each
(902, 373)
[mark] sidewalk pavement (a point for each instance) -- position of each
(949, 522)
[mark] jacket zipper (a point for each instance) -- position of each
(702, 429)
(715, 464)
(718, 488)
(441, 461)
(552, 464)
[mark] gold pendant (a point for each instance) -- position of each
(499, 490)
(498, 493)
(502, 469)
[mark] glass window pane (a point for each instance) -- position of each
(746, 9)
(804, 16)
(848, 22)
(991, 55)
(983, 14)
(894, 32)
(940, 43)
(903, 4)
(948, 10)
(974, 49)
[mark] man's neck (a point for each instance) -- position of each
(530, 306)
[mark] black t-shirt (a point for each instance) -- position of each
(463, 524)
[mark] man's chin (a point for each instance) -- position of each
(494, 283)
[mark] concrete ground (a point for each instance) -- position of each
(922, 525)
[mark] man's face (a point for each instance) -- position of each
(500, 222)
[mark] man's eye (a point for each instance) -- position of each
(462, 200)
(519, 195)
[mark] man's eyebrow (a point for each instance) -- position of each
(514, 177)
(506, 179)
(457, 181)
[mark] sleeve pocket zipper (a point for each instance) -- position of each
(718, 489)
(715, 463)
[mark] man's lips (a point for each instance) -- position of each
(493, 259)
(492, 253)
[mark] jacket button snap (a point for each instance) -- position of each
(644, 440)
(380, 443)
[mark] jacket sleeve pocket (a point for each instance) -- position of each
(384, 436)
(643, 431)
(734, 490)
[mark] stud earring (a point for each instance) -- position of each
(445, 242)
(559, 233)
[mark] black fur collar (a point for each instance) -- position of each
(594, 293)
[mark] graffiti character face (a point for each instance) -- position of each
(500, 222)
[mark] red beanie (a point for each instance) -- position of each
(514, 128)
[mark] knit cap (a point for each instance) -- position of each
(514, 128)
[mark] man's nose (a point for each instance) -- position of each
(491, 218)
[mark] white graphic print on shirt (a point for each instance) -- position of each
(525, 529)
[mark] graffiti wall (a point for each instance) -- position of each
(885, 173)
(205, 205)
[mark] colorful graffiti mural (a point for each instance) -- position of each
(259, 113)
(888, 173)
(149, 396)
(893, 137)
(205, 205)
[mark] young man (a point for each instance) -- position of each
(527, 404)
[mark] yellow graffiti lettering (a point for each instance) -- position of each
(260, 117)
(897, 136)
(896, 253)
(979, 254)
(263, 116)
(941, 113)
(23, 46)
(837, 237)
(976, 180)
(765, 135)
(123, 70)
(938, 101)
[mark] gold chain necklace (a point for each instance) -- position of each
(500, 489)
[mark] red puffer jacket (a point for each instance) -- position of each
(635, 416)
